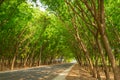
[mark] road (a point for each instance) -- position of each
(39, 73)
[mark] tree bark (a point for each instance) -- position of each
(82, 45)
(101, 27)
(97, 67)
(103, 59)
(13, 62)
(25, 60)
(15, 56)
(40, 55)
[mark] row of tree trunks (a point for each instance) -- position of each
(97, 67)
(84, 48)
(100, 49)
(101, 28)
(21, 63)
(98, 14)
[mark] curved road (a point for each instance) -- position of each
(39, 73)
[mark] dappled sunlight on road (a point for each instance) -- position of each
(39, 73)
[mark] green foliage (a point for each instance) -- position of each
(68, 9)
(25, 30)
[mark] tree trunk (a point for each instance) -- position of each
(79, 60)
(110, 56)
(103, 59)
(31, 58)
(15, 56)
(25, 60)
(82, 45)
(39, 59)
(13, 61)
(101, 27)
(2, 63)
(97, 67)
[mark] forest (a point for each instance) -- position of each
(43, 32)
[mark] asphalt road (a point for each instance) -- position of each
(39, 73)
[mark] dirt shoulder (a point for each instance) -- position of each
(78, 73)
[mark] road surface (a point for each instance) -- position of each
(39, 73)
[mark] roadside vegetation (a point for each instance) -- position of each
(87, 30)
